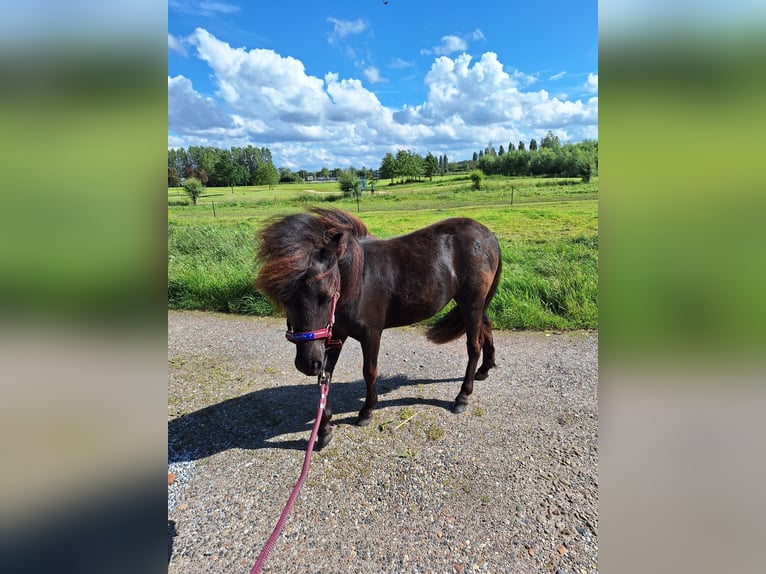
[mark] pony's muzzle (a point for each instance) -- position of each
(309, 357)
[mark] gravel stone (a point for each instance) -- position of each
(511, 485)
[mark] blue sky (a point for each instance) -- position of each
(341, 83)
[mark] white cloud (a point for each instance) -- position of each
(373, 75)
(449, 44)
(176, 45)
(399, 64)
(478, 35)
(591, 84)
(487, 99)
(262, 82)
(558, 76)
(203, 8)
(343, 28)
(189, 112)
(310, 122)
(223, 7)
(350, 100)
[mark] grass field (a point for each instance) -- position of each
(549, 239)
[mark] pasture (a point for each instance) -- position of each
(548, 236)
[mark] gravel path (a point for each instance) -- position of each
(511, 485)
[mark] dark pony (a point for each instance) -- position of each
(335, 280)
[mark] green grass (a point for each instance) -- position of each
(549, 241)
(211, 267)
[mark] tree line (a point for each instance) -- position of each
(254, 166)
(222, 168)
(550, 158)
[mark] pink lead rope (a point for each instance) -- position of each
(324, 391)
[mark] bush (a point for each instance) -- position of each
(477, 176)
(348, 182)
(193, 188)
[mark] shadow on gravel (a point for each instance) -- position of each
(172, 533)
(257, 420)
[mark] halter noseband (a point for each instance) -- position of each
(325, 333)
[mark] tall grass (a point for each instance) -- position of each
(548, 237)
(551, 285)
(211, 267)
(545, 284)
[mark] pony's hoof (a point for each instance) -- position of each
(363, 421)
(322, 441)
(459, 408)
(480, 376)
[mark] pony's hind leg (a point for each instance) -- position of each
(488, 349)
(473, 346)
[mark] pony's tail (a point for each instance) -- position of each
(448, 328)
(452, 326)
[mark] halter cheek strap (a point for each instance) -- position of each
(325, 333)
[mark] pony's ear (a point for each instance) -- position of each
(329, 253)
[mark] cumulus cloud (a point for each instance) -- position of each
(176, 45)
(261, 81)
(591, 84)
(189, 112)
(485, 95)
(310, 121)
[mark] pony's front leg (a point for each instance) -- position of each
(324, 435)
(370, 348)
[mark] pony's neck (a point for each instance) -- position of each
(350, 266)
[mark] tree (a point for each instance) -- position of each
(178, 160)
(196, 173)
(475, 157)
(287, 176)
(174, 178)
(550, 141)
(388, 167)
(533, 145)
(228, 172)
(266, 174)
(251, 159)
(430, 166)
(203, 159)
(521, 145)
(193, 188)
(409, 166)
(543, 162)
(501, 151)
(348, 182)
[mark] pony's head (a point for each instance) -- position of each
(301, 257)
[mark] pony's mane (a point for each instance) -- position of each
(287, 244)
